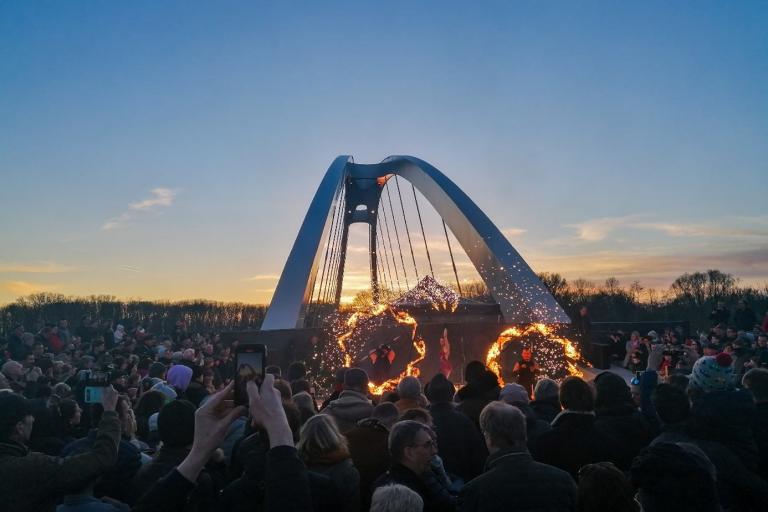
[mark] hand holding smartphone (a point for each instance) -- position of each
(250, 362)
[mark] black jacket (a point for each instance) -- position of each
(513, 481)
(573, 442)
(459, 443)
(435, 499)
(629, 430)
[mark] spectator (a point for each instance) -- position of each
(619, 419)
(409, 391)
(512, 479)
(396, 498)
(411, 448)
(481, 389)
(179, 377)
(459, 443)
(33, 481)
(517, 395)
(150, 403)
(353, 404)
(756, 381)
(546, 401)
(196, 391)
(674, 477)
(324, 450)
(720, 314)
(744, 319)
(603, 488)
(305, 404)
(574, 440)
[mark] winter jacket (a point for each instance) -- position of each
(345, 478)
(33, 481)
(286, 487)
(459, 443)
(115, 481)
(368, 447)
(348, 409)
(629, 430)
(573, 442)
(436, 498)
(546, 410)
(514, 481)
(86, 503)
(760, 433)
(472, 399)
(744, 319)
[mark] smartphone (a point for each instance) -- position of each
(95, 383)
(250, 361)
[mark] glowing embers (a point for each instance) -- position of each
(556, 355)
(428, 292)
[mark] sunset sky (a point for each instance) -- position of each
(169, 150)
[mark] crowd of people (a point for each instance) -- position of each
(688, 432)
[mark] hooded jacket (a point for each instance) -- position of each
(348, 409)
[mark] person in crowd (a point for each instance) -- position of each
(526, 370)
(176, 427)
(113, 482)
(482, 388)
(70, 416)
(618, 418)
(756, 381)
(353, 404)
(13, 371)
(179, 377)
(459, 443)
(411, 448)
(324, 450)
(720, 315)
(604, 488)
(33, 481)
(338, 387)
(367, 443)
(196, 391)
(512, 479)
(396, 498)
(306, 405)
(574, 439)
(744, 318)
(674, 476)
(409, 391)
(546, 399)
(515, 394)
(150, 403)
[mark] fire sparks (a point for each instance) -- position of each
(556, 355)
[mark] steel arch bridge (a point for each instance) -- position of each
(350, 193)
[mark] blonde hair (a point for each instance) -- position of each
(320, 436)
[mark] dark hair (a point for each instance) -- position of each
(671, 403)
(357, 379)
(612, 390)
(439, 389)
(403, 435)
(274, 370)
(474, 371)
(602, 486)
(420, 415)
(576, 395)
(297, 370)
(176, 423)
(297, 386)
(13, 409)
(756, 380)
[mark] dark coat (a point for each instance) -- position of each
(573, 442)
(628, 428)
(513, 481)
(744, 319)
(459, 443)
(167, 458)
(473, 398)
(368, 447)
(546, 410)
(760, 433)
(436, 499)
(196, 393)
(114, 482)
(346, 481)
(33, 481)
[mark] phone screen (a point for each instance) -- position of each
(250, 362)
(94, 386)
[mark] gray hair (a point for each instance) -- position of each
(320, 436)
(504, 423)
(410, 388)
(396, 498)
(546, 388)
(403, 435)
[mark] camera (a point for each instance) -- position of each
(250, 362)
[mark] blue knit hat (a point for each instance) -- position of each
(712, 373)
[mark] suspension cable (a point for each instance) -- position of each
(407, 231)
(330, 276)
(418, 211)
(391, 249)
(380, 234)
(331, 236)
(453, 262)
(397, 237)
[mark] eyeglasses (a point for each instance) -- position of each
(426, 444)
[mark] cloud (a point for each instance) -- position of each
(597, 229)
(263, 277)
(513, 232)
(46, 267)
(128, 268)
(160, 198)
(21, 288)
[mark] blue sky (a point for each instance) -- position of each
(170, 149)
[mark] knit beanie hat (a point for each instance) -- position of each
(179, 376)
(514, 393)
(176, 423)
(712, 373)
